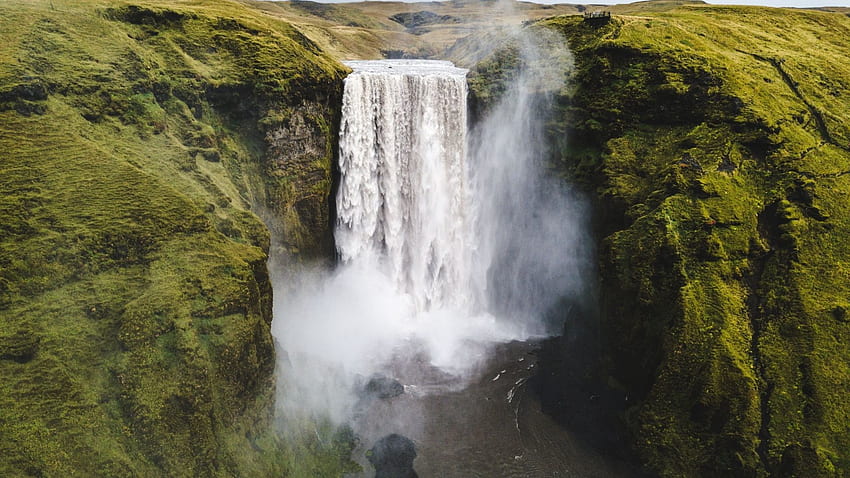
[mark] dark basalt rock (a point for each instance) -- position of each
(392, 456)
(840, 314)
(690, 162)
(383, 387)
(726, 166)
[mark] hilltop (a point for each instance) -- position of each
(369, 30)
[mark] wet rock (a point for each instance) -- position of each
(383, 387)
(392, 456)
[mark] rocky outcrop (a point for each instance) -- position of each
(412, 20)
(392, 456)
(299, 167)
(382, 387)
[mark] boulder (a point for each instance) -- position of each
(383, 387)
(392, 456)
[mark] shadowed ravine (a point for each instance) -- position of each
(491, 426)
(454, 250)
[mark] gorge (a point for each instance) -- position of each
(447, 247)
(163, 163)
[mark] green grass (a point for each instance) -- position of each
(716, 141)
(134, 297)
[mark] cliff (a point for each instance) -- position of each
(141, 144)
(151, 150)
(715, 143)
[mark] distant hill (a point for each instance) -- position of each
(370, 30)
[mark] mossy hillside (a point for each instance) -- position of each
(134, 297)
(716, 142)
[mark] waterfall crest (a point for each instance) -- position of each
(403, 203)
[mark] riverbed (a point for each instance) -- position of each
(488, 425)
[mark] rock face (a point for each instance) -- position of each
(392, 456)
(298, 168)
(383, 387)
(139, 145)
(715, 147)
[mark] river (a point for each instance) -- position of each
(490, 426)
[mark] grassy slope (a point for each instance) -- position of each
(134, 297)
(717, 140)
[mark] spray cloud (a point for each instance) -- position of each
(448, 240)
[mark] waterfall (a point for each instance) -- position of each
(448, 240)
(403, 203)
(532, 251)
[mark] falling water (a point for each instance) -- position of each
(467, 222)
(403, 204)
(532, 252)
(405, 285)
(450, 243)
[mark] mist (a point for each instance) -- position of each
(449, 241)
(533, 246)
